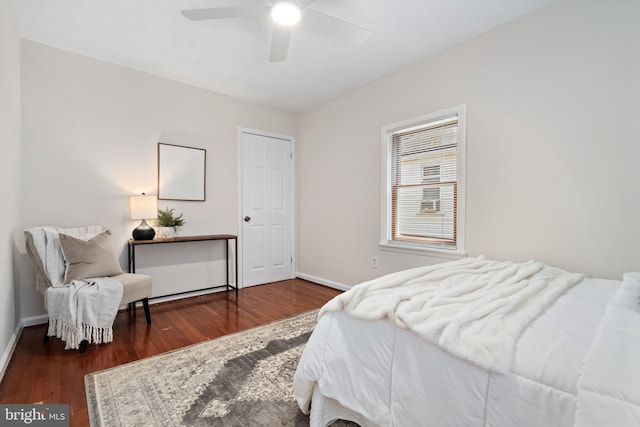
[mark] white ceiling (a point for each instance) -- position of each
(230, 56)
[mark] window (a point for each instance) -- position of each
(423, 191)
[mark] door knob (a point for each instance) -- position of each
(247, 218)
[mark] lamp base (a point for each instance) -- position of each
(143, 231)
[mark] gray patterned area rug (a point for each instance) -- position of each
(242, 379)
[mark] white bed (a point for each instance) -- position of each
(576, 364)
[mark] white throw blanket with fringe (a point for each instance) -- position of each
(47, 243)
(84, 309)
(474, 308)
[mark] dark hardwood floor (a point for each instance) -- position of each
(46, 373)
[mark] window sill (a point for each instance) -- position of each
(423, 250)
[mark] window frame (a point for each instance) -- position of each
(387, 131)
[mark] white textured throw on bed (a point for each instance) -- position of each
(84, 309)
(474, 308)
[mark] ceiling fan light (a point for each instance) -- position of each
(285, 13)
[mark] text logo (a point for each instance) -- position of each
(34, 415)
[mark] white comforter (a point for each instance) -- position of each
(574, 365)
(609, 384)
(474, 308)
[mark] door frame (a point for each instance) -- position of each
(292, 199)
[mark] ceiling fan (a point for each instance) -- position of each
(285, 15)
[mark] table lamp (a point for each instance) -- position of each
(143, 207)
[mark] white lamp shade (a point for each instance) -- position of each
(143, 207)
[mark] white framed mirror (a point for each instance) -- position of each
(181, 172)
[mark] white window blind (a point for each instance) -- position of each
(423, 180)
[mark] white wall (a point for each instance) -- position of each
(90, 134)
(9, 176)
(552, 147)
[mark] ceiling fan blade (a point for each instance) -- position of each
(344, 30)
(279, 43)
(305, 3)
(300, 3)
(226, 12)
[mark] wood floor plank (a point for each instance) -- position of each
(45, 372)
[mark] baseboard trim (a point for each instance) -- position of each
(188, 294)
(13, 342)
(34, 320)
(6, 357)
(321, 281)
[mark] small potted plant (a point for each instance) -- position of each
(167, 223)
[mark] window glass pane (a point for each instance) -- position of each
(413, 222)
(424, 183)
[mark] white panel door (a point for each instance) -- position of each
(267, 222)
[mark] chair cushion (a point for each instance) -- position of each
(89, 258)
(135, 286)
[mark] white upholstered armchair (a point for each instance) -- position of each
(79, 275)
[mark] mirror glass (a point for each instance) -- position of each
(181, 172)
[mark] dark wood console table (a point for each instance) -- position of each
(131, 244)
